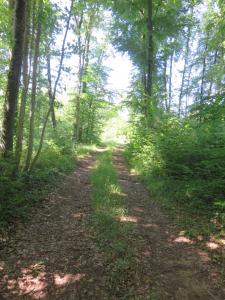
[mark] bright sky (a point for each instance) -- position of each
(119, 65)
(121, 69)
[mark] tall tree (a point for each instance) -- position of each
(34, 82)
(24, 93)
(149, 49)
(11, 97)
(186, 57)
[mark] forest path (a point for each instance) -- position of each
(56, 254)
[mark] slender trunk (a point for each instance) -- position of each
(187, 51)
(165, 82)
(203, 72)
(149, 75)
(26, 80)
(77, 125)
(187, 91)
(170, 81)
(84, 63)
(149, 49)
(34, 87)
(89, 119)
(80, 75)
(87, 53)
(12, 91)
(53, 117)
(50, 92)
(214, 62)
(54, 91)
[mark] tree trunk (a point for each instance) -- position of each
(50, 92)
(203, 71)
(170, 81)
(26, 80)
(187, 91)
(187, 50)
(149, 75)
(165, 82)
(214, 62)
(12, 91)
(34, 86)
(149, 50)
(53, 92)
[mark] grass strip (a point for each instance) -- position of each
(109, 205)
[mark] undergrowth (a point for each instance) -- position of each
(182, 164)
(19, 193)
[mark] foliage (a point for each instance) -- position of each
(182, 162)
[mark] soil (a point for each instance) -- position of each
(55, 254)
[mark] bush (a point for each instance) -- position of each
(182, 162)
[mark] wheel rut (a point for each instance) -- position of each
(55, 255)
(170, 265)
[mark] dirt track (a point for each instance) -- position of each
(55, 254)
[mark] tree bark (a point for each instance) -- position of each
(203, 71)
(187, 91)
(170, 81)
(80, 74)
(26, 80)
(12, 91)
(34, 86)
(165, 83)
(149, 74)
(50, 91)
(214, 62)
(187, 51)
(149, 50)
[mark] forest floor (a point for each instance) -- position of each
(61, 252)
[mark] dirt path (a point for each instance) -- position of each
(168, 261)
(55, 255)
(48, 257)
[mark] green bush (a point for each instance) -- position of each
(182, 162)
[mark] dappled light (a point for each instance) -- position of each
(212, 246)
(95, 243)
(183, 239)
(31, 281)
(64, 280)
(112, 150)
(35, 282)
(128, 219)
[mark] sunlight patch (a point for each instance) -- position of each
(30, 284)
(183, 239)
(32, 281)
(212, 246)
(2, 265)
(129, 219)
(61, 281)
